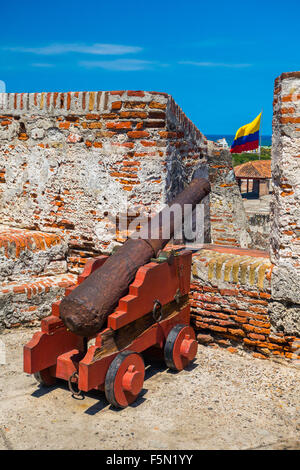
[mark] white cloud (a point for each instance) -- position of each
(2, 86)
(42, 65)
(96, 49)
(119, 64)
(215, 64)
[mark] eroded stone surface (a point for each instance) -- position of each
(24, 301)
(285, 207)
(25, 253)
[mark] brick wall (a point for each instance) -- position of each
(33, 274)
(69, 161)
(285, 209)
(21, 250)
(31, 299)
(231, 299)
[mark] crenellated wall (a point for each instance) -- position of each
(285, 208)
(70, 162)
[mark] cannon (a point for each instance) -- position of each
(85, 310)
(124, 306)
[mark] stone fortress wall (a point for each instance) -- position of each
(285, 209)
(70, 160)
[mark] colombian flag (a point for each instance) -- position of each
(247, 137)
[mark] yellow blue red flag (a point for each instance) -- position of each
(247, 137)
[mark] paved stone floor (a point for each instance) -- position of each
(224, 401)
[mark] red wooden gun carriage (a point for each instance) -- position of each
(122, 306)
(154, 314)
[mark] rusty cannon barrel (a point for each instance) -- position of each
(86, 308)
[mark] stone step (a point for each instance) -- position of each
(26, 253)
(24, 301)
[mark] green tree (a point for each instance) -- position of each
(239, 158)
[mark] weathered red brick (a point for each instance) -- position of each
(138, 134)
(157, 115)
(237, 332)
(93, 116)
(119, 125)
(256, 336)
(258, 355)
(133, 114)
(154, 124)
(204, 339)
(148, 143)
(219, 329)
(95, 125)
(64, 125)
(135, 93)
(157, 105)
(116, 105)
(134, 104)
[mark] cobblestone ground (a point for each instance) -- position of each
(224, 401)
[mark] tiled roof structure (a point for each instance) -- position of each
(254, 169)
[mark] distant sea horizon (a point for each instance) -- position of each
(266, 140)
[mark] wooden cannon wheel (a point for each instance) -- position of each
(124, 379)
(44, 378)
(181, 347)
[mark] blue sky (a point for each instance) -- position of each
(218, 59)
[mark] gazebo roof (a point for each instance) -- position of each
(254, 169)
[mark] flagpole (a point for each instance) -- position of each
(260, 135)
(259, 145)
